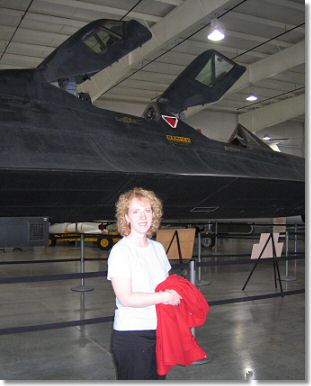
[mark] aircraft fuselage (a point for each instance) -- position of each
(67, 160)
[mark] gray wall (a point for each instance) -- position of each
(289, 135)
(214, 125)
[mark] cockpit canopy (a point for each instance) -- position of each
(243, 138)
(205, 80)
(93, 48)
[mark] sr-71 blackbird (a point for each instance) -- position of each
(64, 159)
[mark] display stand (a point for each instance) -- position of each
(275, 264)
(178, 242)
(175, 235)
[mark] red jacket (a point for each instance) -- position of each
(176, 345)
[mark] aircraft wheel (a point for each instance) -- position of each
(104, 243)
(208, 242)
(52, 242)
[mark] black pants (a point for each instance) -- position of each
(134, 354)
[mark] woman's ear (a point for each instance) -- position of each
(127, 219)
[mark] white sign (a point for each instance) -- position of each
(267, 246)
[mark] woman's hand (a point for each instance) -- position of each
(122, 287)
(173, 298)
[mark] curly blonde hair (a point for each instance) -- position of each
(122, 207)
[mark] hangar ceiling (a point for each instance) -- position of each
(268, 36)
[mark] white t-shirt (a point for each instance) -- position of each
(146, 267)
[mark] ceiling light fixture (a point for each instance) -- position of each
(216, 31)
(252, 98)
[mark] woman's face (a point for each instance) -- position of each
(139, 216)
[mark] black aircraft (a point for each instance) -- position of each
(64, 159)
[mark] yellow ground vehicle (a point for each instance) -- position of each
(104, 236)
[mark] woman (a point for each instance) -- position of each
(136, 265)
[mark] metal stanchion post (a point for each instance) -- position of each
(82, 288)
(200, 282)
(286, 254)
(287, 277)
(216, 246)
(199, 255)
(192, 272)
(192, 279)
(216, 236)
(76, 230)
(295, 248)
(83, 340)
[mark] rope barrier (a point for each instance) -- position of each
(180, 265)
(56, 325)
(248, 261)
(43, 261)
(220, 255)
(66, 276)
(37, 261)
(249, 237)
(105, 319)
(176, 266)
(51, 260)
(255, 297)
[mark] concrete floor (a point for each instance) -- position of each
(253, 340)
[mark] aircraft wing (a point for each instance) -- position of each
(93, 48)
